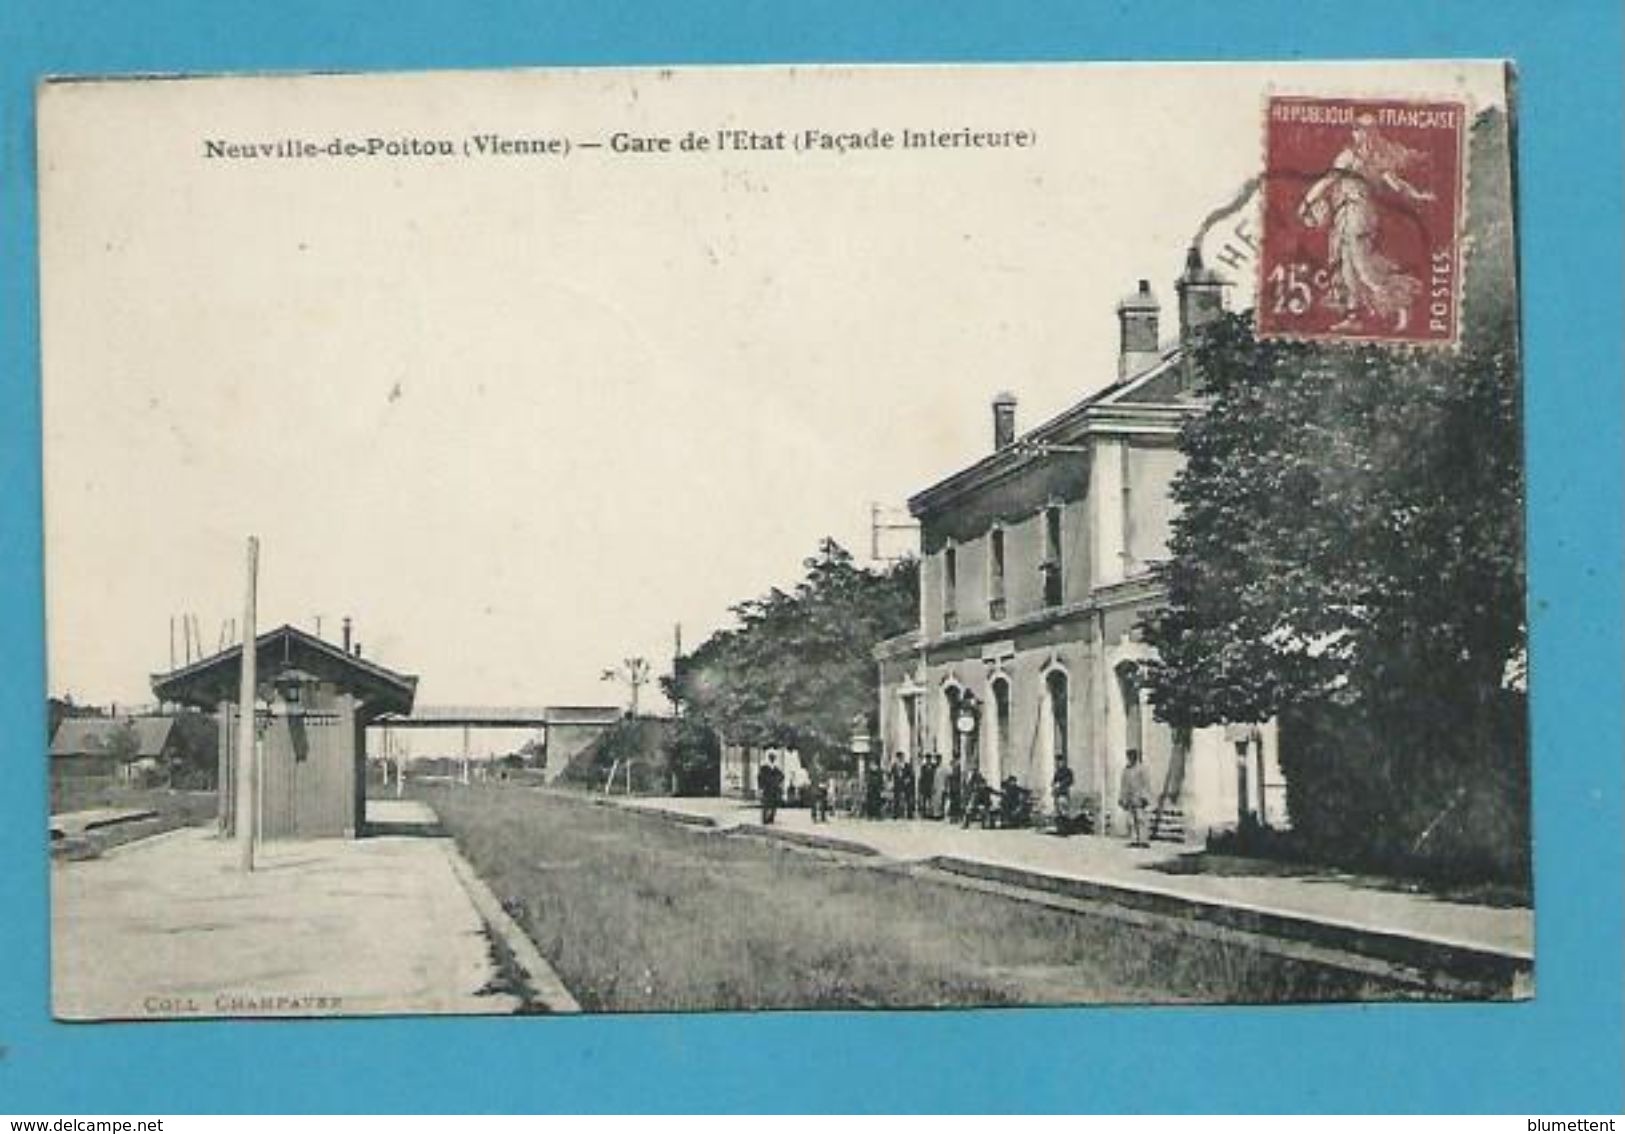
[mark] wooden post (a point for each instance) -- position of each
(247, 765)
(224, 768)
(1263, 802)
(1241, 784)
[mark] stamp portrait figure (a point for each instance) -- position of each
(1363, 280)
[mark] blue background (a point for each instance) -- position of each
(1561, 1053)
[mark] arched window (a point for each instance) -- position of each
(999, 749)
(948, 734)
(1128, 683)
(1055, 685)
(909, 721)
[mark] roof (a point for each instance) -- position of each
(901, 645)
(1151, 400)
(215, 679)
(91, 736)
(583, 714)
(1156, 399)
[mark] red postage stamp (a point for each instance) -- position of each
(1362, 220)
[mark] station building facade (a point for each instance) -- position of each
(1035, 574)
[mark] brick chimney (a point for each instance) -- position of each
(1137, 322)
(1201, 295)
(1004, 419)
(346, 633)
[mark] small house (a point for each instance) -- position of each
(105, 750)
(313, 702)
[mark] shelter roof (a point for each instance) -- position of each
(215, 679)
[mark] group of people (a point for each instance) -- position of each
(949, 794)
(933, 794)
(940, 793)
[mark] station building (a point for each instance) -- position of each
(1035, 573)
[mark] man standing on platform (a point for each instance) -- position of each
(1134, 796)
(820, 792)
(1061, 792)
(928, 783)
(770, 785)
(954, 789)
(899, 789)
(874, 789)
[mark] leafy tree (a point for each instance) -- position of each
(1350, 542)
(194, 751)
(57, 710)
(122, 742)
(798, 666)
(693, 757)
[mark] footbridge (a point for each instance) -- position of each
(567, 729)
(501, 716)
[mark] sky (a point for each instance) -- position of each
(519, 417)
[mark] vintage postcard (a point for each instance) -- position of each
(784, 538)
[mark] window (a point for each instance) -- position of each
(995, 575)
(1055, 684)
(1052, 566)
(950, 720)
(950, 588)
(999, 763)
(1129, 688)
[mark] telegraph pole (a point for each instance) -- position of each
(634, 673)
(676, 700)
(247, 770)
(676, 660)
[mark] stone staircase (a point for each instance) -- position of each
(1168, 824)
